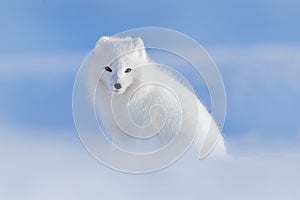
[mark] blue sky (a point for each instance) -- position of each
(255, 44)
(39, 39)
(37, 25)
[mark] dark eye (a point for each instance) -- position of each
(128, 70)
(108, 69)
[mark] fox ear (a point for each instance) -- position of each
(138, 42)
(101, 40)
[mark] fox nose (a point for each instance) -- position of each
(118, 86)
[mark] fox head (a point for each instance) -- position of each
(116, 60)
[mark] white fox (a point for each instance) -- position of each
(141, 105)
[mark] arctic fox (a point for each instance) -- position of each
(141, 105)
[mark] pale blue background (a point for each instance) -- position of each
(245, 38)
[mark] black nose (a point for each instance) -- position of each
(117, 86)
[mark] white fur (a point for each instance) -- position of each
(152, 107)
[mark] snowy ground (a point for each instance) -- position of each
(58, 167)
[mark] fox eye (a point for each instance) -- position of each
(127, 70)
(108, 69)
